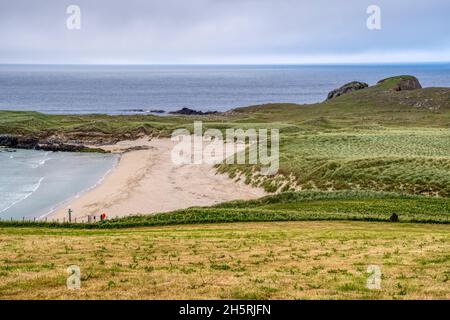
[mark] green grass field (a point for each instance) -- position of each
(277, 260)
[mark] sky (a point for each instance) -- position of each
(224, 32)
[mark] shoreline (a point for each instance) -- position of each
(146, 181)
(62, 204)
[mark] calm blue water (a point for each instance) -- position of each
(32, 183)
(118, 89)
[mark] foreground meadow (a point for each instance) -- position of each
(276, 260)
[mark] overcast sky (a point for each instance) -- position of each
(224, 31)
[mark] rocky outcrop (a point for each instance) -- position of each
(21, 142)
(191, 112)
(347, 88)
(404, 83)
(63, 147)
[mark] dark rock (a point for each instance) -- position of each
(394, 218)
(347, 88)
(60, 147)
(187, 112)
(8, 141)
(18, 142)
(21, 142)
(157, 111)
(191, 112)
(405, 83)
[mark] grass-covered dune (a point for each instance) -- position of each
(412, 160)
(94, 127)
(288, 206)
(304, 206)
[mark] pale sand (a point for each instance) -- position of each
(147, 181)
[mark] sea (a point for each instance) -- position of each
(81, 89)
(34, 183)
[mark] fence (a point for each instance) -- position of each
(82, 219)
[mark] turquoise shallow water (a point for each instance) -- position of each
(33, 183)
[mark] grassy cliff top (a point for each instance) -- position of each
(379, 104)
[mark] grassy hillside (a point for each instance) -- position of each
(414, 160)
(42, 125)
(376, 105)
(278, 260)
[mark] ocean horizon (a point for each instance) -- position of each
(140, 89)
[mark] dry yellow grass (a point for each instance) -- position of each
(288, 260)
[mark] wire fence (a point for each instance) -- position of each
(78, 219)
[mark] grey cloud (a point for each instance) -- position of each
(215, 31)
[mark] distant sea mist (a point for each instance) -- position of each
(83, 89)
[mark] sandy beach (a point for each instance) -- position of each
(147, 181)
